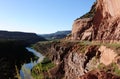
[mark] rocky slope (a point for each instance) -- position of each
(104, 25)
(75, 59)
(97, 74)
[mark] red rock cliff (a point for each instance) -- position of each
(104, 25)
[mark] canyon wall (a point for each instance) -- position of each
(74, 59)
(103, 26)
(84, 59)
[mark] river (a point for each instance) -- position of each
(25, 71)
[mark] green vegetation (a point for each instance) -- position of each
(17, 73)
(83, 45)
(87, 43)
(50, 41)
(109, 45)
(113, 45)
(116, 70)
(42, 69)
(112, 68)
(79, 47)
(89, 14)
(101, 66)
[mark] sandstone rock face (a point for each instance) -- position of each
(104, 26)
(72, 59)
(106, 21)
(107, 55)
(81, 29)
(76, 64)
(108, 7)
(74, 67)
(75, 60)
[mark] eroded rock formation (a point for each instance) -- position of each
(75, 59)
(97, 74)
(107, 55)
(81, 29)
(89, 60)
(105, 24)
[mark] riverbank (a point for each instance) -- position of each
(12, 55)
(42, 69)
(25, 71)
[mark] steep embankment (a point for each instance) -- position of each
(103, 25)
(74, 59)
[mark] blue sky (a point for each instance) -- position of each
(41, 16)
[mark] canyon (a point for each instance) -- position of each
(13, 52)
(76, 60)
(92, 50)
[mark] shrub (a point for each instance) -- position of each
(41, 68)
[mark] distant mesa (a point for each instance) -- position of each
(28, 37)
(56, 35)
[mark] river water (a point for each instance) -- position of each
(25, 71)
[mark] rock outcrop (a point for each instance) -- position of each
(89, 60)
(97, 74)
(76, 64)
(106, 21)
(75, 59)
(81, 29)
(104, 26)
(107, 55)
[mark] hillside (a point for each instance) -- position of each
(92, 51)
(56, 35)
(28, 37)
(80, 59)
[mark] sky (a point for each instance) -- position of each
(41, 16)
